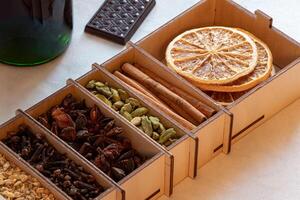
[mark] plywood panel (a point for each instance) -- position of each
(146, 183)
(268, 99)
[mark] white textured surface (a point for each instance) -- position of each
(263, 165)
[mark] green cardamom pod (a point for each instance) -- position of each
(104, 90)
(155, 136)
(161, 128)
(134, 102)
(118, 105)
(115, 95)
(166, 135)
(99, 84)
(91, 84)
(104, 99)
(123, 94)
(147, 126)
(136, 121)
(126, 108)
(127, 115)
(139, 112)
(155, 122)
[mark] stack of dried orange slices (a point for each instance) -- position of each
(225, 62)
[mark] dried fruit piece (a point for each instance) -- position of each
(212, 55)
(261, 72)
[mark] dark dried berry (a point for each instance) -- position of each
(81, 121)
(114, 131)
(54, 128)
(68, 134)
(128, 165)
(68, 100)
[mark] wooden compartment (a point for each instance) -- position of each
(213, 134)
(187, 146)
(21, 119)
(152, 171)
(263, 101)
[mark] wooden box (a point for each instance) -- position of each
(166, 167)
(111, 193)
(213, 134)
(152, 171)
(263, 101)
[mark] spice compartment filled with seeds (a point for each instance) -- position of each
(159, 129)
(105, 140)
(237, 57)
(190, 109)
(56, 170)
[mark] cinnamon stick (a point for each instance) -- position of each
(205, 109)
(135, 85)
(162, 90)
(178, 110)
(183, 122)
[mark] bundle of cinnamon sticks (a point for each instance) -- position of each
(176, 103)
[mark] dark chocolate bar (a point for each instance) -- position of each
(118, 20)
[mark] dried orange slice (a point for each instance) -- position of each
(212, 55)
(227, 98)
(261, 72)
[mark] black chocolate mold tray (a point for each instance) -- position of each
(118, 20)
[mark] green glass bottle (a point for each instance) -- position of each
(33, 32)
